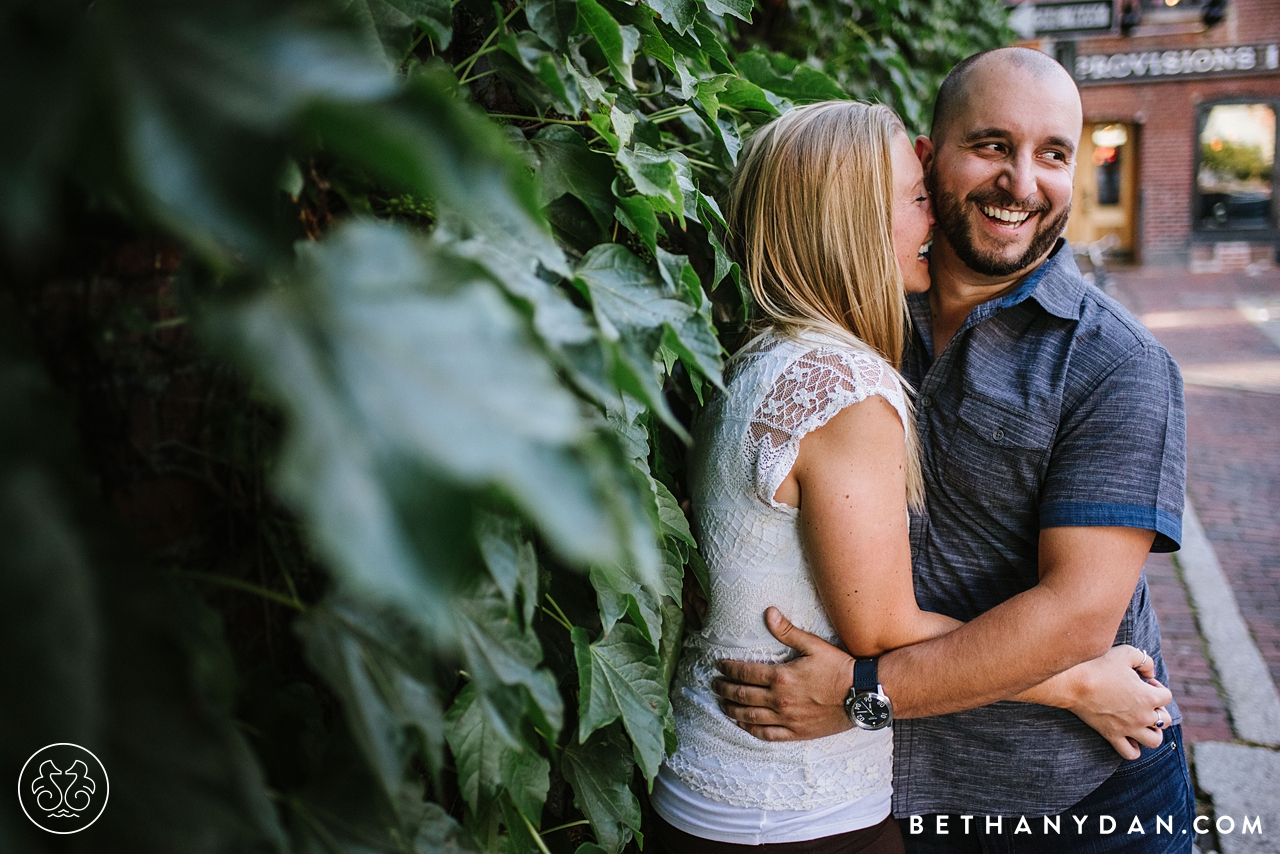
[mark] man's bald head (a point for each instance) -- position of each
(1020, 63)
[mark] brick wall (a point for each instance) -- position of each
(1165, 116)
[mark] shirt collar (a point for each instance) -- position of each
(1056, 284)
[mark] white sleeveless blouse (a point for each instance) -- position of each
(779, 389)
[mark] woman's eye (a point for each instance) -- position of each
(921, 198)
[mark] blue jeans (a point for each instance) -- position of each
(1155, 789)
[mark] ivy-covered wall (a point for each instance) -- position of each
(347, 357)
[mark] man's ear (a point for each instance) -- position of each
(924, 151)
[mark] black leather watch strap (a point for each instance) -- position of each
(865, 675)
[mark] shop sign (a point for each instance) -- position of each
(1032, 19)
(1178, 64)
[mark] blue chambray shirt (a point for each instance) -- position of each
(1052, 406)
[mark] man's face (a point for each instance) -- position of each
(1001, 170)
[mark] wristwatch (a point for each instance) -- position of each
(866, 705)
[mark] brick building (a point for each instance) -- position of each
(1180, 102)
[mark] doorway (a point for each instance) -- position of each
(1105, 188)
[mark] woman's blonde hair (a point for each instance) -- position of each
(811, 225)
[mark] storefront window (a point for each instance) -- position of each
(1108, 145)
(1237, 167)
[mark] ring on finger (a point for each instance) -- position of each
(1144, 658)
(1159, 720)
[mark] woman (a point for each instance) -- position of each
(801, 478)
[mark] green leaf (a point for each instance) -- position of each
(487, 763)
(669, 650)
(498, 653)
(652, 171)
(512, 561)
(698, 567)
(678, 13)
(600, 773)
(637, 215)
(381, 699)
(657, 47)
(801, 84)
(713, 46)
(631, 309)
(568, 165)
(708, 93)
(744, 95)
(545, 69)
(552, 20)
(434, 144)
(623, 124)
(737, 8)
(620, 677)
(678, 275)
(393, 22)
(621, 591)
(617, 42)
(438, 833)
(672, 519)
(688, 81)
(555, 317)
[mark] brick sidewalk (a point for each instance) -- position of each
(1233, 457)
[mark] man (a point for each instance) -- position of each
(1052, 434)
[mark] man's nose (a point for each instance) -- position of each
(1018, 176)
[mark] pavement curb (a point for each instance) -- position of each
(1250, 693)
(1244, 783)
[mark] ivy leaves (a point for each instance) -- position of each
(485, 406)
(620, 677)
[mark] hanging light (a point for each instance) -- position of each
(1110, 136)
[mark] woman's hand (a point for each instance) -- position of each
(1116, 694)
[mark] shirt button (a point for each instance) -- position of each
(998, 434)
(926, 401)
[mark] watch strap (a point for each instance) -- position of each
(865, 675)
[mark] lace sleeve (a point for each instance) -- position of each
(808, 394)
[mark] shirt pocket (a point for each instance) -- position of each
(999, 453)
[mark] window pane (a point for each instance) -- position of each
(1107, 163)
(1237, 164)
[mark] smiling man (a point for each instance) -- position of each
(1052, 433)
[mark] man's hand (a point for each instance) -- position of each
(799, 700)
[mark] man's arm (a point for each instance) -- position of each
(1087, 579)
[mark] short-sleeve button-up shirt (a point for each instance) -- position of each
(1052, 406)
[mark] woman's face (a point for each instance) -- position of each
(912, 217)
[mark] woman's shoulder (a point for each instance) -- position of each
(807, 349)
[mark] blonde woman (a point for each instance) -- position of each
(801, 477)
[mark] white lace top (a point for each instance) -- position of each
(746, 443)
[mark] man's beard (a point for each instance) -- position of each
(958, 230)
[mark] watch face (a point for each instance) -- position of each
(871, 711)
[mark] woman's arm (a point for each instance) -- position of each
(1113, 694)
(849, 481)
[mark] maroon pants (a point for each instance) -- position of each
(883, 838)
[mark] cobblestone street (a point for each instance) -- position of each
(1222, 331)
